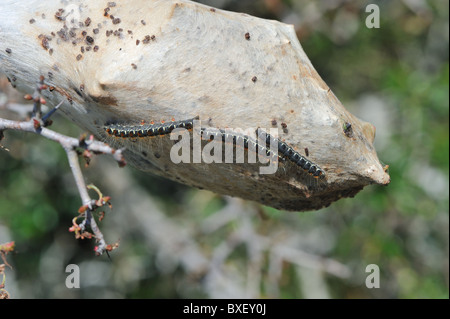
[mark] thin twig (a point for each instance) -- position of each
(37, 125)
(86, 199)
(70, 145)
(66, 142)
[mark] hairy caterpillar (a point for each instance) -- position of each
(261, 144)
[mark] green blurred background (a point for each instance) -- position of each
(179, 242)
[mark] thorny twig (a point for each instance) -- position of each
(37, 125)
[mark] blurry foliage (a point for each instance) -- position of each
(396, 77)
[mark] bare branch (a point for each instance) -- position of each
(65, 141)
(71, 146)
